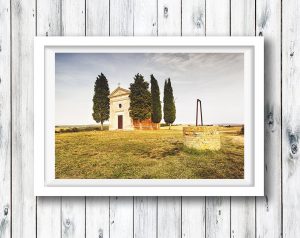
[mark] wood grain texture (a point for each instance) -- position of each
(97, 217)
(242, 18)
(73, 217)
(97, 18)
(169, 217)
(48, 23)
(121, 17)
(145, 17)
(217, 217)
(5, 121)
(242, 208)
(169, 17)
(121, 217)
(268, 208)
(291, 115)
(48, 19)
(48, 223)
(193, 217)
(242, 217)
(218, 208)
(193, 17)
(145, 217)
(23, 200)
(73, 17)
(218, 17)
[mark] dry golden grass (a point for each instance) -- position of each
(145, 154)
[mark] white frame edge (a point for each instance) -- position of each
(40, 186)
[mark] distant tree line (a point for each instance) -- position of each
(144, 104)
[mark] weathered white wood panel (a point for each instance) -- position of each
(145, 17)
(218, 208)
(73, 209)
(193, 17)
(48, 23)
(121, 17)
(169, 17)
(145, 217)
(268, 208)
(193, 217)
(48, 222)
(97, 217)
(217, 217)
(23, 201)
(169, 217)
(121, 217)
(242, 208)
(97, 18)
(218, 17)
(290, 117)
(5, 120)
(242, 18)
(48, 19)
(73, 17)
(73, 217)
(242, 217)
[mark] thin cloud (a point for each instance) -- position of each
(215, 78)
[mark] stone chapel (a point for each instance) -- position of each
(120, 119)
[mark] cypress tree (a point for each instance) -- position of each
(155, 99)
(169, 103)
(101, 100)
(140, 99)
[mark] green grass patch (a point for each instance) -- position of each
(145, 154)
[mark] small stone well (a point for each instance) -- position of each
(202, 137)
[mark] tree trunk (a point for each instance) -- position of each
(101, 126)
(169, 126)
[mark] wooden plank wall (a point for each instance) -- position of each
(274, 215)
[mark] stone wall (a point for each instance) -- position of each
(202, 137)
(145, 125)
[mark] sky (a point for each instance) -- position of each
(217, 79)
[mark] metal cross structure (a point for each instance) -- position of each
(197, 111)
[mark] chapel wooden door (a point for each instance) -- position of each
(120, 122)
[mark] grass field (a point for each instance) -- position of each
(145, 154)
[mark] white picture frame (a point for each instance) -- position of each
(45, 183)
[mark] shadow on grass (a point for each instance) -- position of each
(193, 151)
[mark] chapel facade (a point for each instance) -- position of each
(120, 119)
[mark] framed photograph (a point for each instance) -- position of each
(149, 116)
